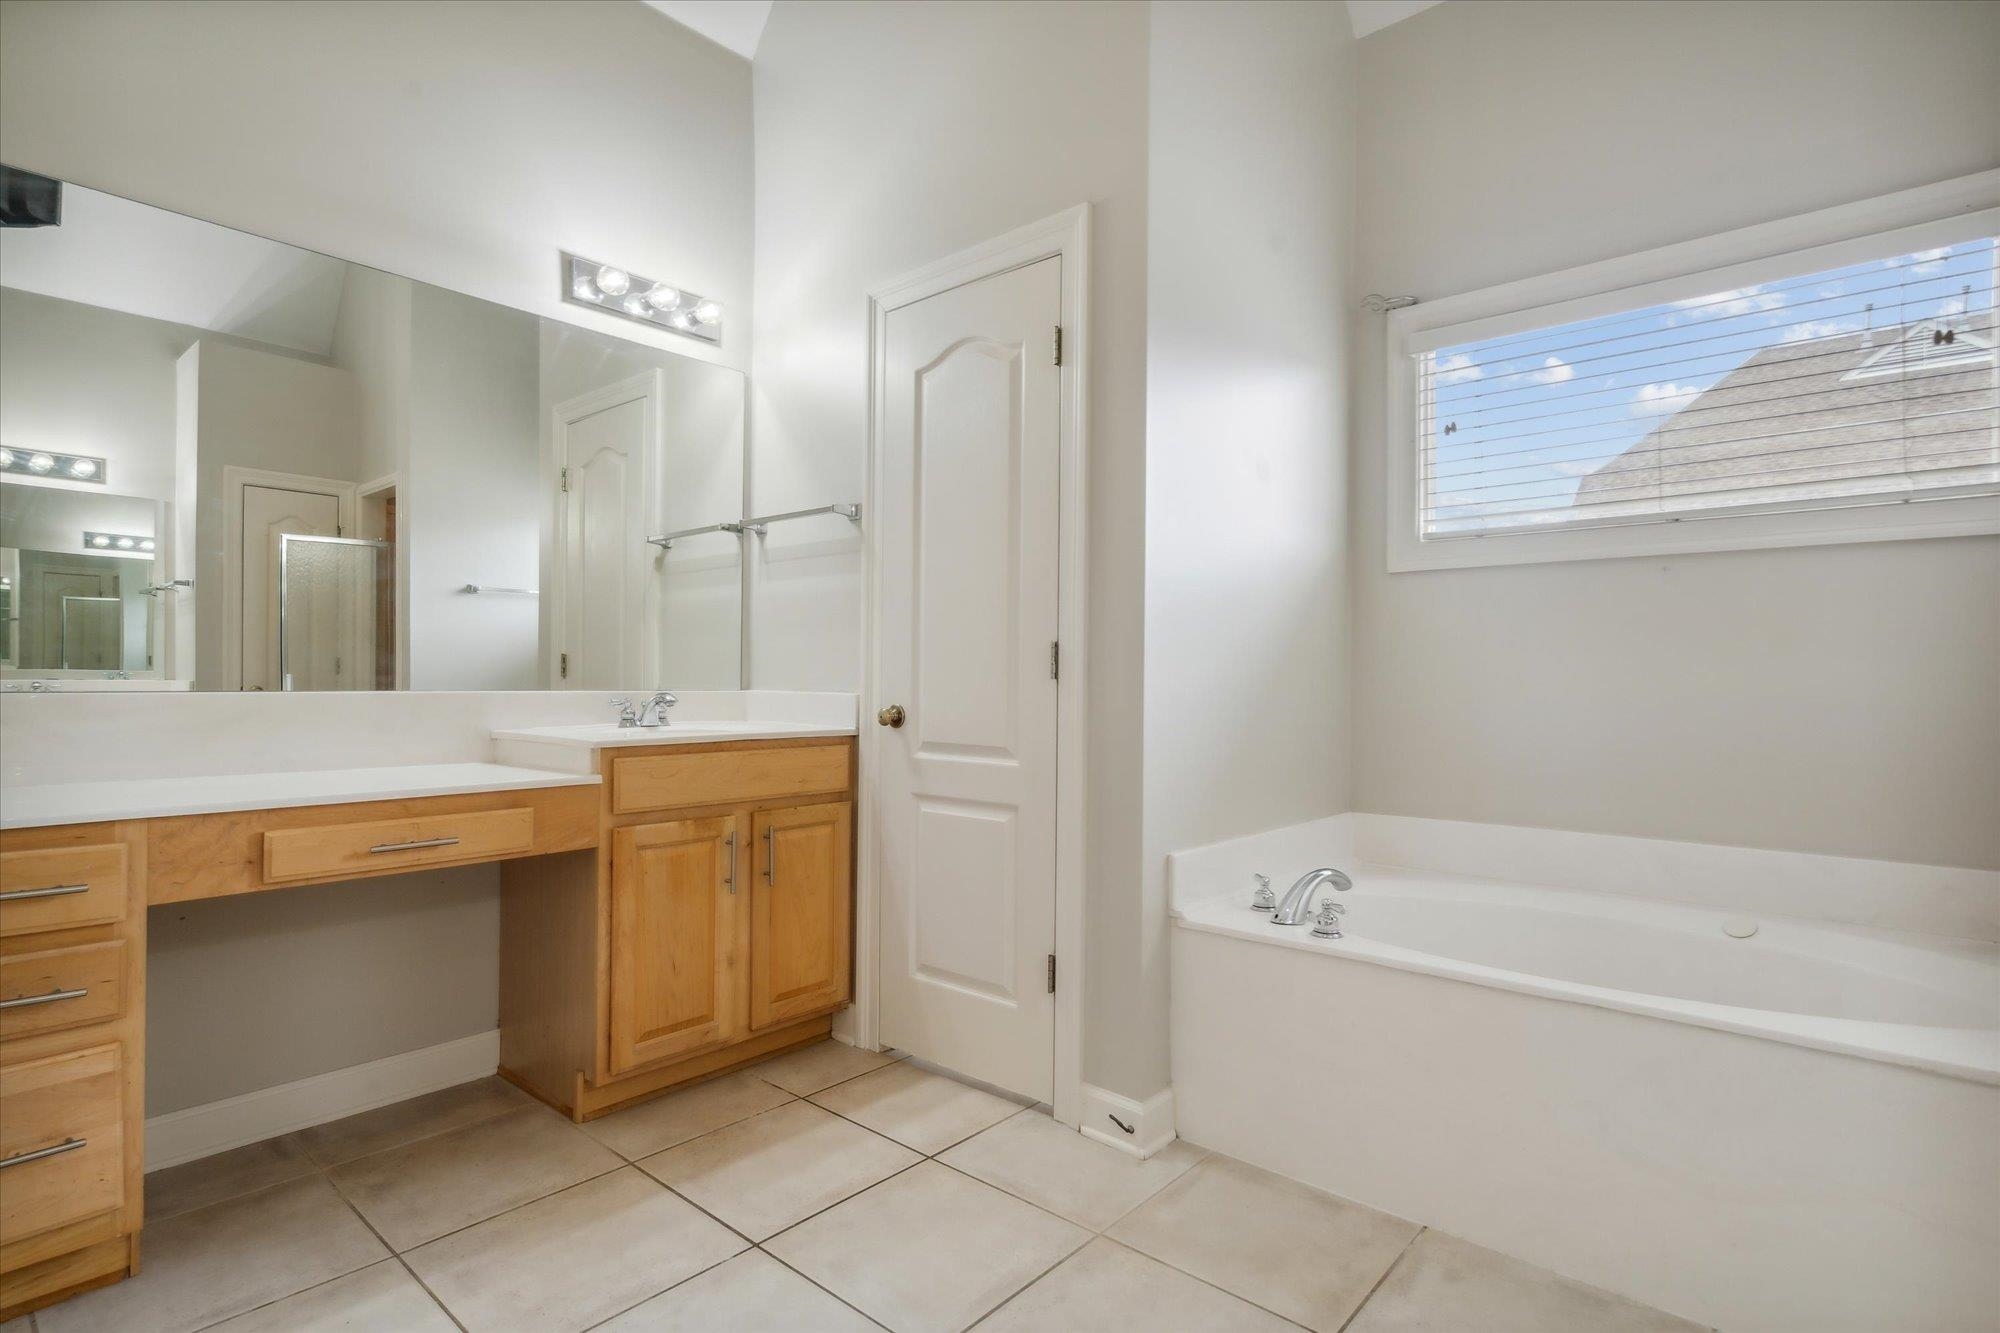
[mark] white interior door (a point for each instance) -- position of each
(271, 512)
(966, 596)
(606, 442)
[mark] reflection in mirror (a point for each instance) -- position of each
(330, 599)
(350, 480)
(77, 585)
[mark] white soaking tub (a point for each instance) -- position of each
(1798, 1130)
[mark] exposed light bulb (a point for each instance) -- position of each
(614, 281)
(6, 458)
(40, 462)
(146, 544)
(663, 297)
(83, 467)
(126, 543)
(708, 312)
(100, 540)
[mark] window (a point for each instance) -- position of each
(1846, 391)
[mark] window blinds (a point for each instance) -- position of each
(1868, 384)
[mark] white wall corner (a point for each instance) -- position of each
(200, 1131)
(1151, 1121)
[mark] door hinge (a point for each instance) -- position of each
(1052, 974)
(1058, 356)
(565, 481)
(1055, 661)
(565, 666)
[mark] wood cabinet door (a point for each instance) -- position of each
(677, 939)
(801, 898)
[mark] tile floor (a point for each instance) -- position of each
(827, 1189)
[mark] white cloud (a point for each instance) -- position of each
(1457, 368)
(1923, 261)
(1655, 400)
(1555, 370)
(1815, 328)
(1734, 301)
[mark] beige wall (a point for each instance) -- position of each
(461, 142)
(1249, 229)
(890, 136)
(1839, 699)
(81, 380)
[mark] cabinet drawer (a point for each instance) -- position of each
(59, 887)
(62, 1142)
(721, 777)
(61, 988)
(335, 849)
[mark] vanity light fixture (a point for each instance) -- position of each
(118, 543)
(628, 295)
(47, 463)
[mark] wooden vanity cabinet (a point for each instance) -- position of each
(72, 1058)
(801, 912)
(678, 940)
(714, 924)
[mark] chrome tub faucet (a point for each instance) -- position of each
(1298, 899)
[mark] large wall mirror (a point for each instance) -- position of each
(230, 464)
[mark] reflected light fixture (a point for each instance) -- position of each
(626, 294)
(48, 463)
(118, 543)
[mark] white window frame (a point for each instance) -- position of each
(1932, 215)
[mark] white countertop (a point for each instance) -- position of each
(599, 736)
(160, 798)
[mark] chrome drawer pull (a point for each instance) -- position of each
(730, 843)
(53, 1150)
(412, 846)
(52, 891)
(22, 1001)
(770, 855)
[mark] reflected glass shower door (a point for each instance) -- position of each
(328, 588)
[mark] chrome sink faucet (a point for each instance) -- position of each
(1298, 899)
(653, 713)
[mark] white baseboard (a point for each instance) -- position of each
(199, 1131)
(1152, 1120)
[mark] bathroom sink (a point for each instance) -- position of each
(599, 734)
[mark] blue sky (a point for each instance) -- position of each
(1519, 419)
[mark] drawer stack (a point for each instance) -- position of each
(72, 1026)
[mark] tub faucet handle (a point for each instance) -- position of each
(1327, 924)
(1263, 900)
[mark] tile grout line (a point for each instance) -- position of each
(394, 1253)
(780, 1261)
(1407, 1245)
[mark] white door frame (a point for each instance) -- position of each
(651, 386)
(234, 479)
(1067, 234)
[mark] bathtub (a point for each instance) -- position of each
(1796, 1130)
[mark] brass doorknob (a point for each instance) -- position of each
(892, 716)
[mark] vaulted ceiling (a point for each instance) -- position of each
(739, 24)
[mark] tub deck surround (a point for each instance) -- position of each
(1804, 1124)
(1909, 1000)
(679, 906)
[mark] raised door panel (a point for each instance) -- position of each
(676, 940)
(62, 1141)
(800, 912)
